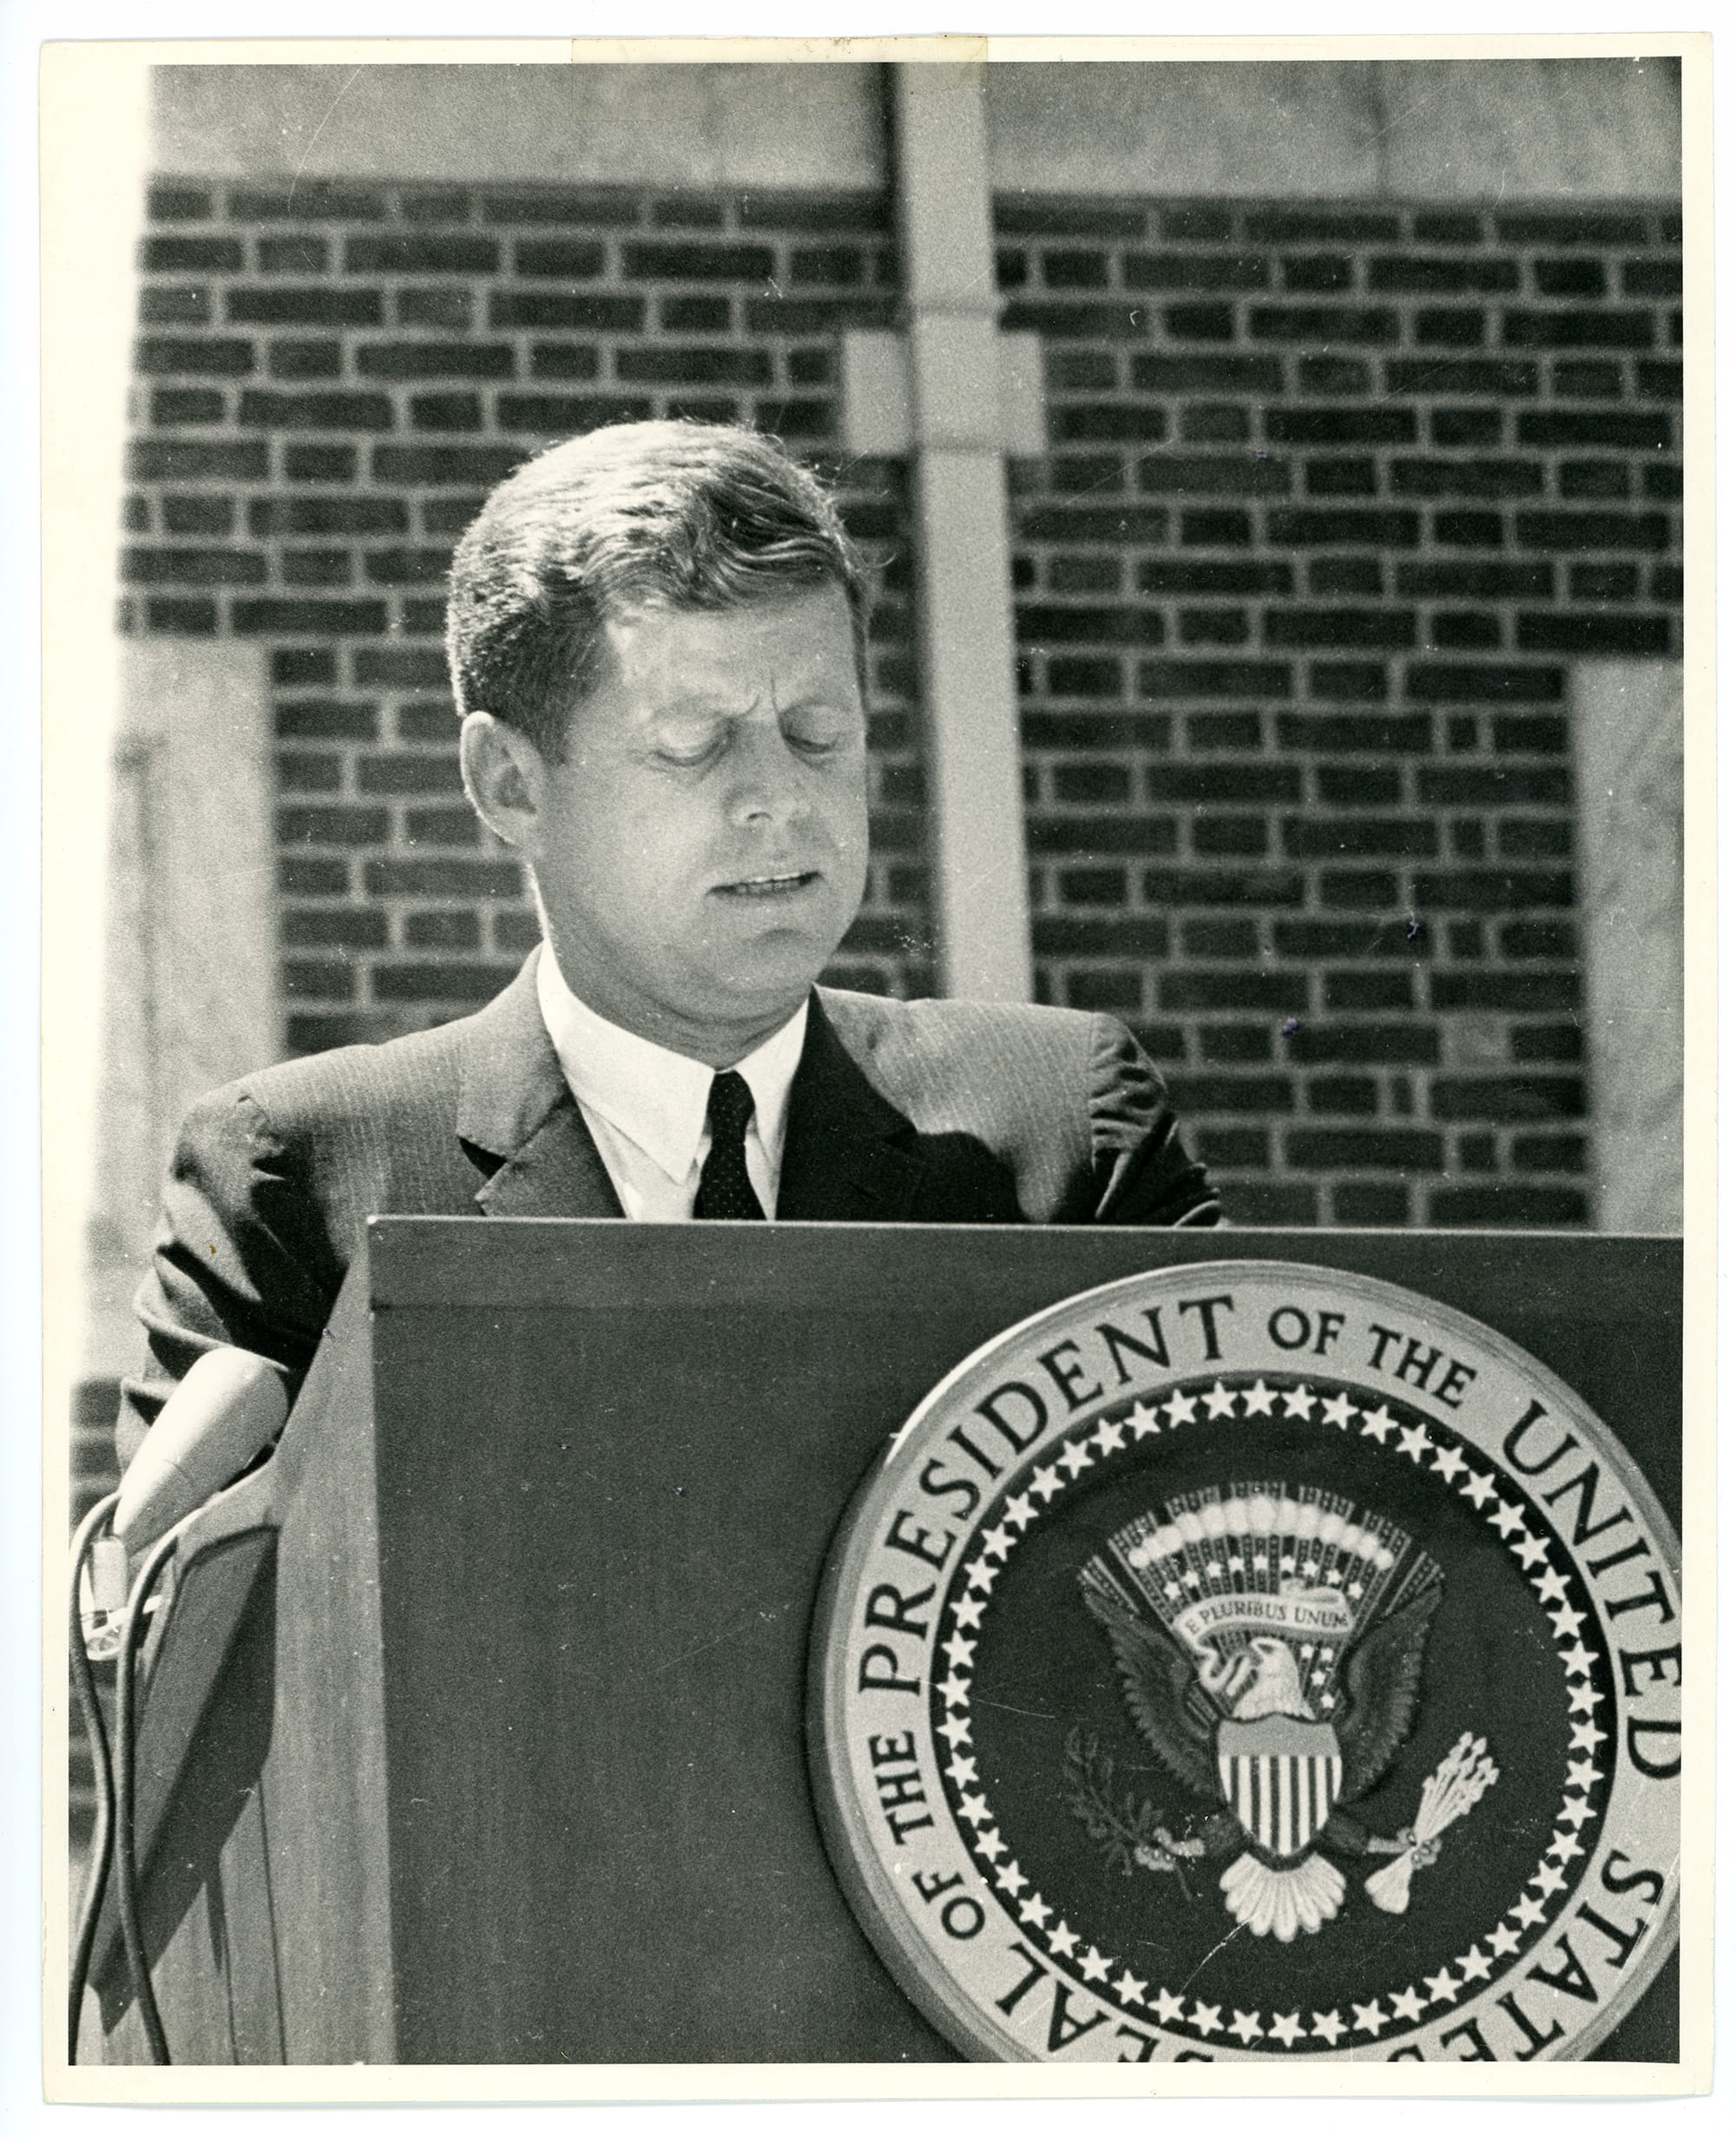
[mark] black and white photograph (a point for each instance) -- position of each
(877, 1101)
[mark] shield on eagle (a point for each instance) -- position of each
(1281, 1777)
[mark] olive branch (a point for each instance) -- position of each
(1131, 1832)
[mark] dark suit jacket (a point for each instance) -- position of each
(900, 1112)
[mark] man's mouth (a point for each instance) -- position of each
(779, 885)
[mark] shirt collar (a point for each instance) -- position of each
(656, 1098)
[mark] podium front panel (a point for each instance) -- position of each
(530, 1784)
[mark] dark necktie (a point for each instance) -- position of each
(725, 1189)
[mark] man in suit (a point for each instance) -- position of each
(657, 635)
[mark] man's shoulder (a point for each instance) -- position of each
(947, 1022)
(395, 1078)
(398, 1083)
(960, 1060)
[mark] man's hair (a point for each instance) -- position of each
(636, 515)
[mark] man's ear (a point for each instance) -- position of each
(505, 777)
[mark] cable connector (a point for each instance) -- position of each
(102, 1599)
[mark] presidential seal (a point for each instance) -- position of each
(1251, 1662)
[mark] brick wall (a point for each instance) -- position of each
(330, 379)
(1334, 496)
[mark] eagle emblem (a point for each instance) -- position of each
(1270, 1640)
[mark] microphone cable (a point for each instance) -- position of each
(103, 1833)
(125, 1863)
(112, 1841)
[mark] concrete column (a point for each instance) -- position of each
(190, 993)
(1628, 738)
(964, 575)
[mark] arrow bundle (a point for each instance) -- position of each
(1451, 1790)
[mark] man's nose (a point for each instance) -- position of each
(766, 784)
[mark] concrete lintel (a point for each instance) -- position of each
(1295, 129)
(700, 126)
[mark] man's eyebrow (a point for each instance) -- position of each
(702, 706)
(692, 706)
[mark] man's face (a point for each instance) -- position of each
(703, 847)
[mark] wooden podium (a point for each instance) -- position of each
(475, 1730)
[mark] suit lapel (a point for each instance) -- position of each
(517, 1120)
(848, 1154)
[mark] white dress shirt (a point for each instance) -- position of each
(645, 1106)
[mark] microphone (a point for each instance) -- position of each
(231, 1404)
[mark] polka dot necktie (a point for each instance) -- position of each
(725, 1189)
